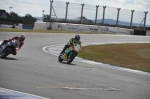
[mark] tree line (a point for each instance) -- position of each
(14, 18)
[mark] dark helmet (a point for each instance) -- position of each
(77, 37)
(22, 37)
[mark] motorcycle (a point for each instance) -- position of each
(70, 53)
(8, 48)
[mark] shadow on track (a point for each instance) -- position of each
(9, 58)
(66, 63)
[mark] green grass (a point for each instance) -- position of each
(134, 56)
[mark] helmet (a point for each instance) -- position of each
(22, 37)
(77, 37)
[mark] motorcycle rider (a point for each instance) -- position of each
(20, 38)
(72, 41)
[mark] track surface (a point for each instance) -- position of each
(36, 72)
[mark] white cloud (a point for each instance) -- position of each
(22, 7)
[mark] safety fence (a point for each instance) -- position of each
(67, 12)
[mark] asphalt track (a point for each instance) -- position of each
(39, 73)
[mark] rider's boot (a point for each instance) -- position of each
(65, 47)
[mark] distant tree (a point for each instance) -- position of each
(46, 17)
(85, 20)
(28, 16)
(7, 14)
(13, 15)
(28, 20)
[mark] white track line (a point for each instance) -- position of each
(56, 49)
(3, 90)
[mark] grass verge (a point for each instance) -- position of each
(134, 56)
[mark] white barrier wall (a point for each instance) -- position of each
(81, 27)
(103, 29)
(41, 25)
(148, 33)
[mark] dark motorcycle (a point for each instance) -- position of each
(70, 53)
(8, 48)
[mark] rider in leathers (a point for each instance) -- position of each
(20, 38)
(76, 39)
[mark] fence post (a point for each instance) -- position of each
(67, 3)
(51, 1)
(96, 14)
(104, 7)
(81, 12)
(118, 16)
(132, 11)
(145, 19)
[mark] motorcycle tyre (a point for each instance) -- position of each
(6, 52)
(60, 59)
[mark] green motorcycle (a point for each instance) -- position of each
(70, 53)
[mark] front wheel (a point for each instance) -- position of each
(6, 52)
(59, 58)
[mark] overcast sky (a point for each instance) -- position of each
(35, 7)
